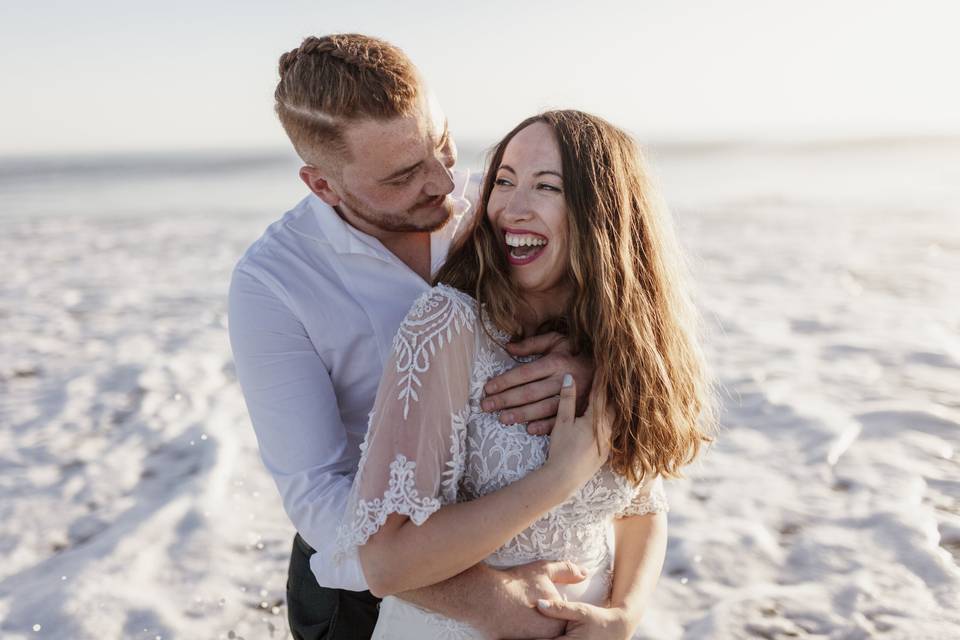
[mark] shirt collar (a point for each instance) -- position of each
(324, 224)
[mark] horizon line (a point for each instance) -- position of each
(474, 144)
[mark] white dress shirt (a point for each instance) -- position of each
(314, 305)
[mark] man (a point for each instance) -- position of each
(315, 303)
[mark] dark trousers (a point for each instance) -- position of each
(319, 613)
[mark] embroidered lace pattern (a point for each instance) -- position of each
(483, 455)
(431, 322)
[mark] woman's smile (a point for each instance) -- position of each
(527, 207)
(523, 247)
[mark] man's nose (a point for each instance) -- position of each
(440, 180)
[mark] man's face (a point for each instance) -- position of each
(398, 178)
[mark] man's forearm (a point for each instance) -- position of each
(472, 595)
(463, 597)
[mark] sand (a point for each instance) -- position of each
(133, 502)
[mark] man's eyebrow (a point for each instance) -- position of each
(405, 170)
(415, 166)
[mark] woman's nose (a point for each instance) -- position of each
(517, 207)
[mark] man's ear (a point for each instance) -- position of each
(317, 182)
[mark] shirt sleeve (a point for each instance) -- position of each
(296, 418)
(648, 498)
(413, 457)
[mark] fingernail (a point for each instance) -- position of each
(486, 405)
(543, 604)
(506, 418)
(567, 380)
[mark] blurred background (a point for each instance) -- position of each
(810, 154)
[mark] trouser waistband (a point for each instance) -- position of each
(303, 546)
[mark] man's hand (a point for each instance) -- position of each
(530, 392)
(521, 588)
(589, 621)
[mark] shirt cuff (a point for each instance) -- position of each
(346, 574)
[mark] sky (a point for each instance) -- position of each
(101, 76)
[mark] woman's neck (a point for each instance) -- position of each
(541, 308)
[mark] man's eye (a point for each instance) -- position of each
(403, 180)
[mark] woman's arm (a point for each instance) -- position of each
(641, 545)
(641, 542)
(402, 556)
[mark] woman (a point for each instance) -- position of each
(569, 235)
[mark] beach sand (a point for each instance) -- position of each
(133, 502)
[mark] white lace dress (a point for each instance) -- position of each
(429, 444)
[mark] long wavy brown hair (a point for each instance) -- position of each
(630, 307)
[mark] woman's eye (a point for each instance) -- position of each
(502, 182)
(548, 187)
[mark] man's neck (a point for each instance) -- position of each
(411, 247)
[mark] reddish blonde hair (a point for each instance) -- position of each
(327, 82)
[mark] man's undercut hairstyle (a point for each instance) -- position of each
(327, 82)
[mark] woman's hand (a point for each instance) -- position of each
(589, 621)
(575, 454)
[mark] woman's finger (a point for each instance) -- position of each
(573, 611)
(567, 410)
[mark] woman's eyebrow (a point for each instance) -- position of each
(507, 167)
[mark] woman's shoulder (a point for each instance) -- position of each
(442, 296)
(439, 315)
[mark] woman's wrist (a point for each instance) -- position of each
(629, 615)
(560, 480)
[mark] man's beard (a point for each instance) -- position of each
(409, 221)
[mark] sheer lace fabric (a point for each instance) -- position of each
(429, 444)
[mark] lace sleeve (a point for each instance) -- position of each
(649, 498)
(412, 458)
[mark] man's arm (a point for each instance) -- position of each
(530, 392)
(294, 412)
(512, 593)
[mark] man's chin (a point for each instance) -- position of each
(434, 216)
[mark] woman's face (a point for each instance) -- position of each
(528, 209)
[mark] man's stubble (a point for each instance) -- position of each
(411, 221)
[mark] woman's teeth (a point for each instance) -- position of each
(524, 245)
(515, 240)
